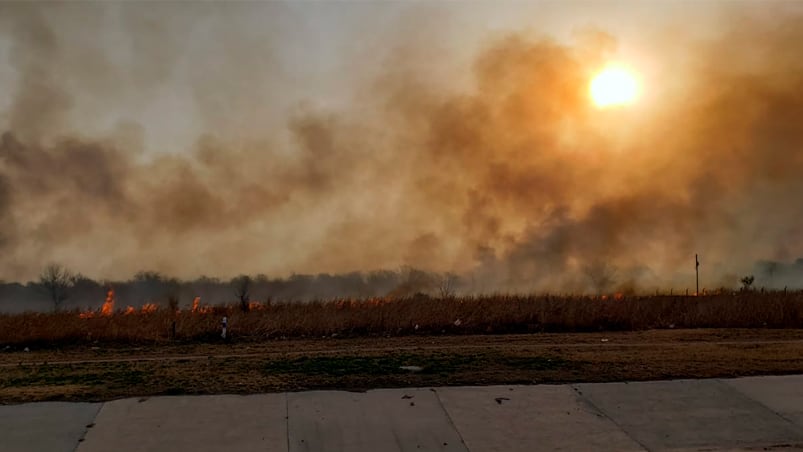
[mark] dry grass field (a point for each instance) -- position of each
(104, 372)
(420, 315)
(361, 344)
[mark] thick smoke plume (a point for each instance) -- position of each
(509, 175)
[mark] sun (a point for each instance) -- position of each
(613, 86)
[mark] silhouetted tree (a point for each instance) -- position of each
(413, 281)
(747, 282)
(242, 285)
(56, 281)
(448, 284)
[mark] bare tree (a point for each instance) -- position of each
(242, 286)
(747, 282)
(601, 274)
(447, 285)
(56, 281)
(413, 282)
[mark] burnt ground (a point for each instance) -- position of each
(98, 372)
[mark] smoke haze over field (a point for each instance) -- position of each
(277, 138)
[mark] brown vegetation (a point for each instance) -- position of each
(413, 315)
(97, 373)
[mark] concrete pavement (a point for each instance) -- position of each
(45, 426)
(757, 413)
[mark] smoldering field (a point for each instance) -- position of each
(182, 138)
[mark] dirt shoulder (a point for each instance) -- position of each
(102, 372)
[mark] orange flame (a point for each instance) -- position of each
(108, 305)
(129, 310)
(86, 315)
(198, 309)
(147, 308)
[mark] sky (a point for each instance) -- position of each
(225, 138)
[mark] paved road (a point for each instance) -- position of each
(758, 413)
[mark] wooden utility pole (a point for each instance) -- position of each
(697, 274)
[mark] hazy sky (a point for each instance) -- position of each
(221, 138)
(143, 58)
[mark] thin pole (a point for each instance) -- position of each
(697, 274)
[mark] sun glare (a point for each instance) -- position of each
(613, 86)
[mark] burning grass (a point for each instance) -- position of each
(407, 316)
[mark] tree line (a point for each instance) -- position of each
(58, 288)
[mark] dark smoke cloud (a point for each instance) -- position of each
(514, 179)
